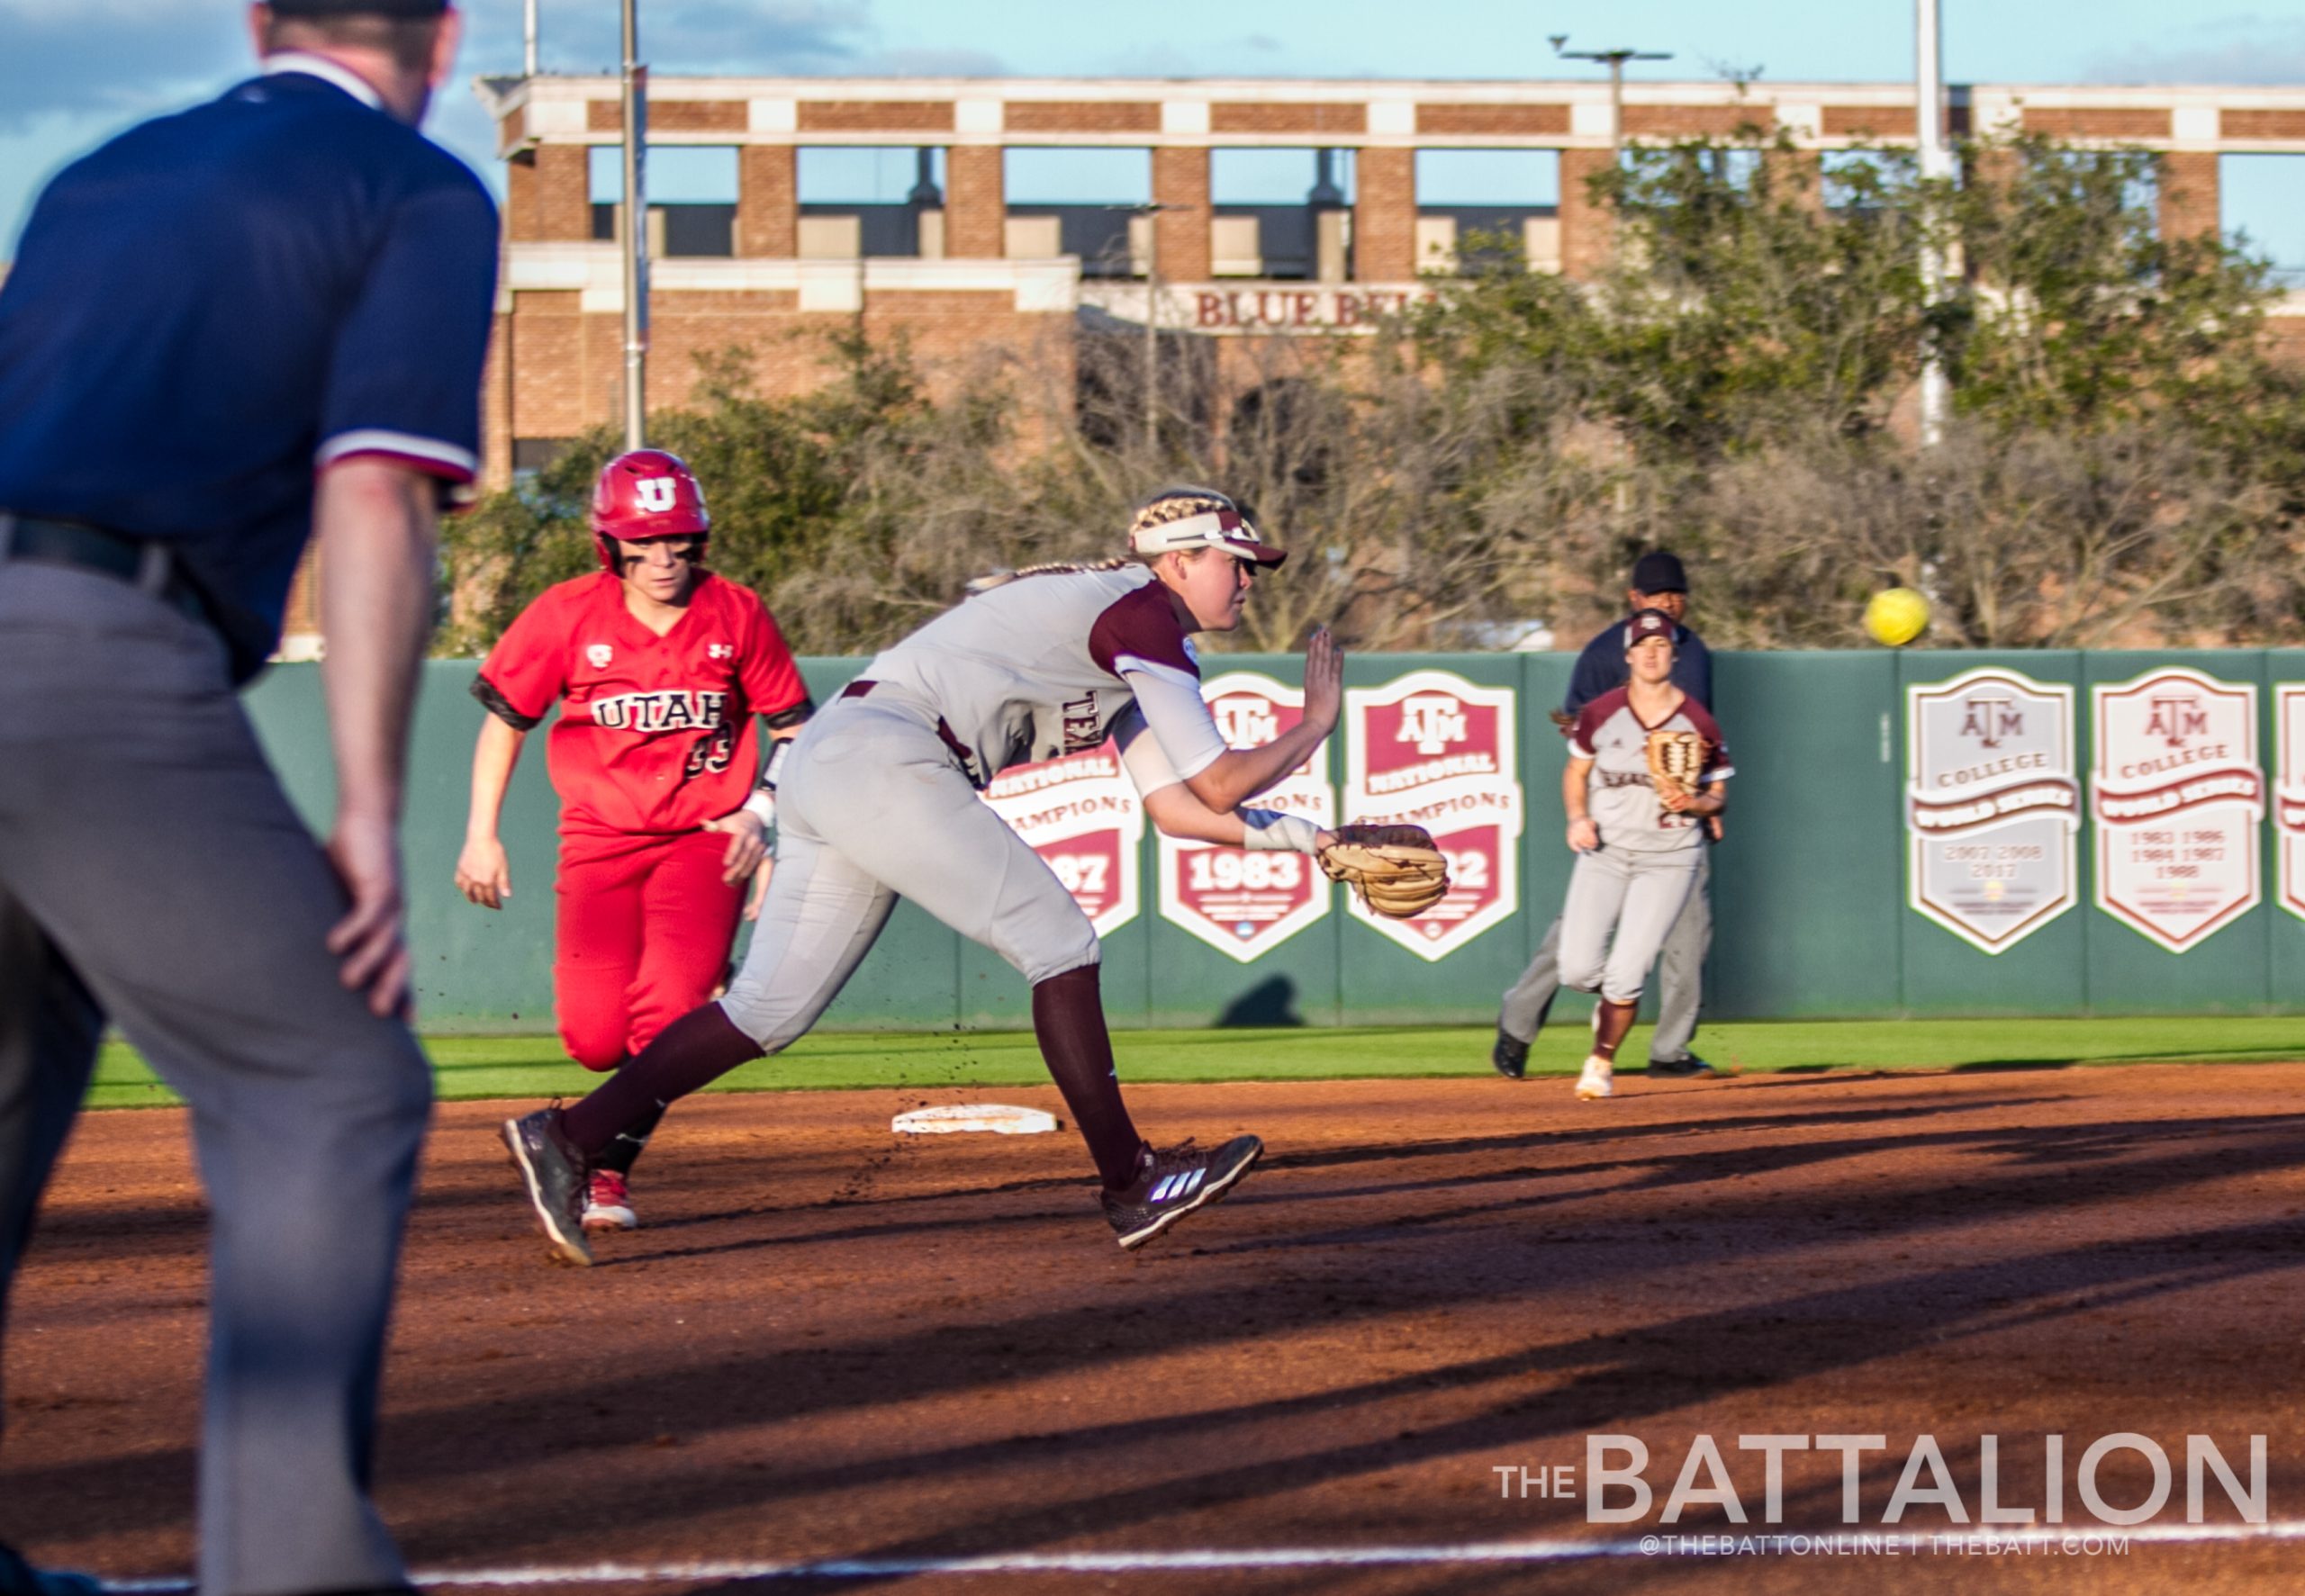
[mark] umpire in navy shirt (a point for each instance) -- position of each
(1659, 582)
(256, 321)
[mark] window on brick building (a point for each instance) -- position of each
(1500, 198)
(691, 197)
(1850, 179)
(1266, 207)
(532, 454)
(1076, 200)
(2260, 198)
(880, 200)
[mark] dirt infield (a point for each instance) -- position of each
(831, 1343)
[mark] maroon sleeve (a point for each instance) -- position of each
(773, 684)
(1588, 722)
(1717, 751)
(1143, 625)
(528, 670)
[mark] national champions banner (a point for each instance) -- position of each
(1432, 748)
(1428, 748)
(1244, 902)
(1081, 815)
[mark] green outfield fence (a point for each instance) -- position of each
(1810, 887)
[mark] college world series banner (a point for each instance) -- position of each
(1992, 805)
(1240, 903)
(1081, 815)
(1432, 748)
(2178, 798)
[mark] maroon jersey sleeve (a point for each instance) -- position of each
(773, 684)
(1589, 720)
(1717, 763)
(1142, 627)
(528, 670)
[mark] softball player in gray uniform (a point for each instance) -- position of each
(1637, 849)
(879, 800)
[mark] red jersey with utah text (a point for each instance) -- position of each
(656, 734)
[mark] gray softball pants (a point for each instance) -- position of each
(153, 872)
(1680, 975)
(1621, 905)
(872, 807)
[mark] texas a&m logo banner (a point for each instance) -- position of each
(1240, 903)
(2178, 799)
(1432, 748)
(1081, 815)
(1993, 806)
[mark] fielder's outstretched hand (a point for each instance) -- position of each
(372, 938)
(747, 845)
(1323, 679)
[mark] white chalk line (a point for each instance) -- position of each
(1725, 1540)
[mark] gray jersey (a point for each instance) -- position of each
(1050, 665)
(1619, 794)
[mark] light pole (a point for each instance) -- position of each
(529, 38)
(1151, 210)
(1935, 170)
(1616, 58)
(636, 235)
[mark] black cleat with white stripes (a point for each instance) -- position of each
(1174, 1182)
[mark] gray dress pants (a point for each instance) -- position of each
(1680, 975)
(152, 873)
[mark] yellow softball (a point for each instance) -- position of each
(1896, 615)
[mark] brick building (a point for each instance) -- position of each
(959, 267)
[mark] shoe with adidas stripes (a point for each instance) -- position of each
(1175, 1181)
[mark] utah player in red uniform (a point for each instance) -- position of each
(659, 666)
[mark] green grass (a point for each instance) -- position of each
(535, 1067)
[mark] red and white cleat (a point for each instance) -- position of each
(607, 1203)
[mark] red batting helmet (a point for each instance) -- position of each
(646, 493)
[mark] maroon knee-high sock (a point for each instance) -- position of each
(1611, 1021)
(1069, 1020)
(692, 1052)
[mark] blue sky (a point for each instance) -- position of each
(73, 71)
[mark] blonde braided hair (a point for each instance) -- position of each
(1167, 504)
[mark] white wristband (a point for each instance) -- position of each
(1271, 831)
(763, 805)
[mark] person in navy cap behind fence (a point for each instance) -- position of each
(254, 322)
(1659, 582)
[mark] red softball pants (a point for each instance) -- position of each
(643, 932)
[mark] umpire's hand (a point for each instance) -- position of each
(372, 937)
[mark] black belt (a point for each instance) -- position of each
(146, 563)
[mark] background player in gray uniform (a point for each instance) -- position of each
(1637, 846)
(880, 800)
(1658, 582)
(228, 331)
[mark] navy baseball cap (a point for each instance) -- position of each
(1658, 572)
(410, 9)
(1646, 624)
